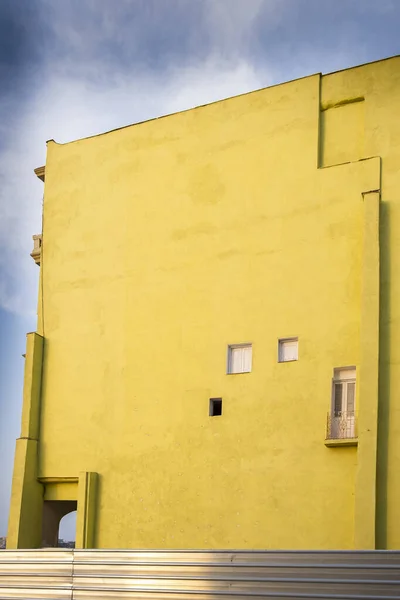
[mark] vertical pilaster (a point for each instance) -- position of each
(25, 519)
(368, 379)
(86, 516)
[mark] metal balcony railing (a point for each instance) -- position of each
(341, 426)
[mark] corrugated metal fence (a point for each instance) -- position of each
(198, 575)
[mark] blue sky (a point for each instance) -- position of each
(73, 68)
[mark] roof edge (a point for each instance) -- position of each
(185, 110)
(222, 100)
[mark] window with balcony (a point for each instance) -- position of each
(341, 423)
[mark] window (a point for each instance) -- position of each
(344, 392)
(342, 418)
(288, 350)
(239, 358)
(215, 407)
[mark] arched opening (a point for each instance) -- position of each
(53, 512)
(67, 531)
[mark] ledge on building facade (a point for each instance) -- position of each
(341, 442)
(40, 172)
(37, 248)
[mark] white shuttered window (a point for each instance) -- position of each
(288, 350)
(239, 358)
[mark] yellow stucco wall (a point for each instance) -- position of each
(166, 241)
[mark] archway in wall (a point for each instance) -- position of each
(67, 530)
(53, 512)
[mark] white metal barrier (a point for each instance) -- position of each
(198, 575)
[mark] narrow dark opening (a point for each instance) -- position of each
(215, 407)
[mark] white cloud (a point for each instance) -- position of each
(232, 23)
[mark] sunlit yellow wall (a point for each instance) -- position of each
(166, 241)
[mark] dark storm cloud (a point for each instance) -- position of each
(124, 32)
(90, 37)
(75, 35)
(20, 48)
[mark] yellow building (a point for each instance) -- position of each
(241, 257)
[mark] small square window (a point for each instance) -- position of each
(239, 358)
(215, 407)
(288, 350)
